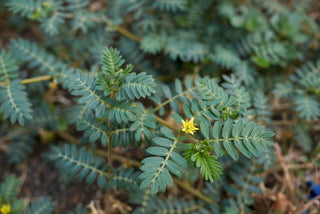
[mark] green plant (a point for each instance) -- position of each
(195, 101)
(10, 204)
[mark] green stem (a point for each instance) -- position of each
(173, 98)
(234, 138)
(165, 123)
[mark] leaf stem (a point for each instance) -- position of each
(127, 34)
(190, 189)
(36, 79)
(172, 98)
(234, 138)
(32, 80)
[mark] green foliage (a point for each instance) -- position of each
(242, 173)
(9, 189)
(124, 179)
(8, 193)
(121, 112)
(260, 102)
(173, 96)
(51, 16)
(186, 49)
(210, 91)
(93, 129)
(77, 4)
(248, 138)
(46, 118)
(8, 68)
(136, 86)
(213, 62)
(24, 8)
(302, 137)
(307, 106)
(144, 121)
(20, 148)
(30, 52)
(41, 206)
(209, 167)
(177, 206)
(268, 158)
(164, 160)
(84, 86)
(111, 62)
(266, 51)
(12, 95)
(84, 165)
(81, 163)
(305, 96)
(224, 57)
(170, 5)
(151, 44)
(15, 102)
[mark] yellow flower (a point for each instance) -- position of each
(53, 85)
(188, 127)
(5, 209)
(47, 4)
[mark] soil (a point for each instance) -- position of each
(39, 178)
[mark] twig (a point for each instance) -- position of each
(286, 172)
(307, 205)
(36, 79)
(165, 123)
(117, 157)
(127, 34)
(32, 80)
(192, 190)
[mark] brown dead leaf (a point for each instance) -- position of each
(94, 209)
(282, 203)
(119, 207)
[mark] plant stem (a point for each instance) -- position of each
(172, 98)
(128, 34)
(117, 157)
(36, 79)
(32, 80)
(234, 138)
(190, 189)
(165, 123)
(107, 205)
